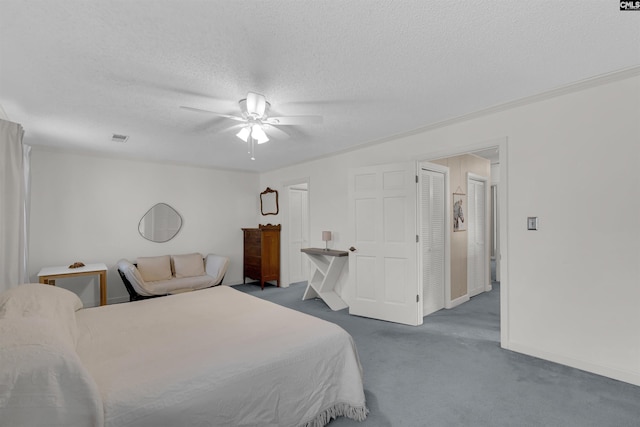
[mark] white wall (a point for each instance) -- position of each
(570, 291)
(87, 208)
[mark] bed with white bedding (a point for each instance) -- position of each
(214, 357)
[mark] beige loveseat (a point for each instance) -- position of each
(170, 274)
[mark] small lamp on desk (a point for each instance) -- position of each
(326, 237)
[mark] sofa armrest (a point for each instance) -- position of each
(216, 267)
(134, 277)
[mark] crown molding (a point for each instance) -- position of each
(580, 85)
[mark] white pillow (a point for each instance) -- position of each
(57, 305)
(189, 265)
(36, 297)
(42, 380)
(155, 268)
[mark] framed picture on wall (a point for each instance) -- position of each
(458, 212)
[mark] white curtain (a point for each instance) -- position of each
(14, 205)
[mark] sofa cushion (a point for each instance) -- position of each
(155, 268)
(189, 265)
(162, 287)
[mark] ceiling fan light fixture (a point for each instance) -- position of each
(258, 134)
(254, 116)
(256, 104)
(244, 133)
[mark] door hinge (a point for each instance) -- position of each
(417, 238)
(416, 179)
(417, 298)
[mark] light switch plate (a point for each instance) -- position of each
(532, 223)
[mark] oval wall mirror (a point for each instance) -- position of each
(160, 224)
(269, 202)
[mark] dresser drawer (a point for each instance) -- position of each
(252, 251)
(252, 271)
(252, 261)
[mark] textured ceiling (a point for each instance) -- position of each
(75, 72)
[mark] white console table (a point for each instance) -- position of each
(48, 276)
(328, 264)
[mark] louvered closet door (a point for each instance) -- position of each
(433, 239)
(477, 260)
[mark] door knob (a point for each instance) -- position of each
(352, 249)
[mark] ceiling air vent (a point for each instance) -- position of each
(119, 138)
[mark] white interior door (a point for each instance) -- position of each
(382, 222)
(433, 231)
(477, 254)
(298, 233)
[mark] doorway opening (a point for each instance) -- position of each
(472, 248)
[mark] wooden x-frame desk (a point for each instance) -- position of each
(328, 264)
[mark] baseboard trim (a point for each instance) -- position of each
(118, 300)
(583, 365)
(456, 302)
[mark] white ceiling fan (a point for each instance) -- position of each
(256, 122)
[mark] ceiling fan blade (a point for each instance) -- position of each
(294, 120)
(256, 104)
(199, 110)
(208, 124)
(231, 129)
(275, 132)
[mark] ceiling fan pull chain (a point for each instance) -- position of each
(252, 148)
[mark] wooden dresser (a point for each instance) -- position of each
(262, 254)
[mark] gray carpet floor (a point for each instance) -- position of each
(451, 371)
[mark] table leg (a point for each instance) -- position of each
(103, 288)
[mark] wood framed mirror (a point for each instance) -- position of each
(269, 202)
